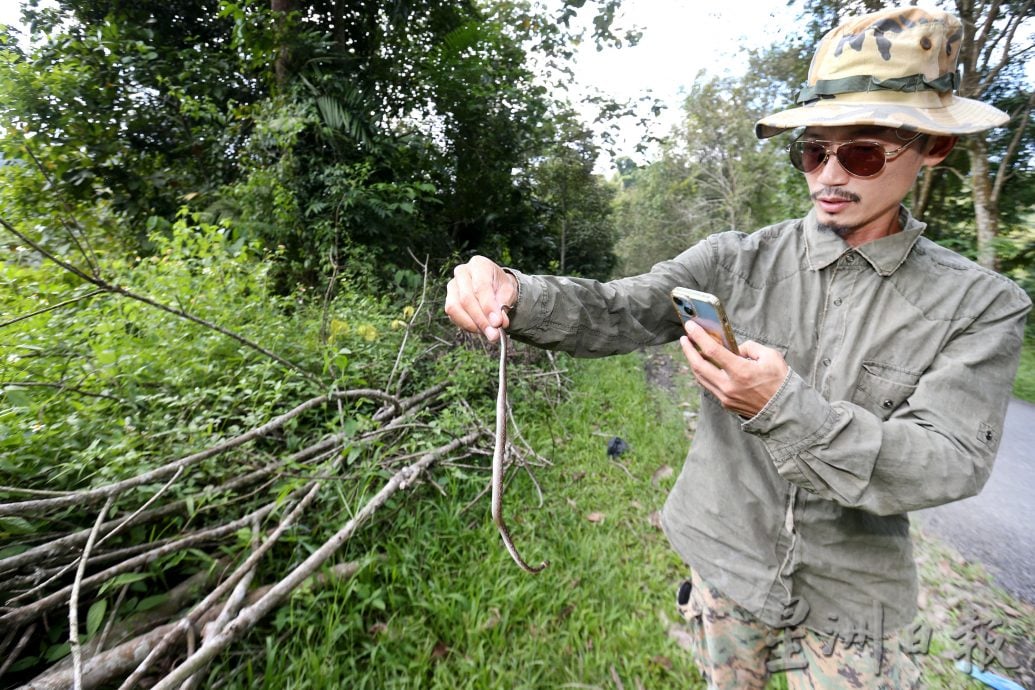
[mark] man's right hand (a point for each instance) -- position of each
(477, 295)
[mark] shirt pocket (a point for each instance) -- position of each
(882, 388)
(742, 335)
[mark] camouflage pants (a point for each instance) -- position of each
(733, 649)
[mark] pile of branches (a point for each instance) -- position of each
(202, 615)
(59, 574)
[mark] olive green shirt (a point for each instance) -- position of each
(902, 356)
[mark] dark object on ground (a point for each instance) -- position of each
(616, 447)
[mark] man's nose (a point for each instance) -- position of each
(830, 172)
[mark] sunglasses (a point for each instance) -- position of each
(858, 158)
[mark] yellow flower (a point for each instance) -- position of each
(408, 312)
(367, 332)
(339, 329)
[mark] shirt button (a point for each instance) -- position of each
(887, 404)
(837, 302)
(850, 258)
(826, 361)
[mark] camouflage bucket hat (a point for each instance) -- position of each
(893, 68)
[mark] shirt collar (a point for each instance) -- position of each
(886, 254)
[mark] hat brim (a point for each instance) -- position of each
(950, 115)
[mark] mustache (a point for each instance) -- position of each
(828, 192)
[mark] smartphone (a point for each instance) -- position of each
(706, 311)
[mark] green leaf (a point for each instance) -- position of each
(57, 651)
(124, 579)
(16, 397)
(16, 525)
(95, 616)
(151, 602)
(13, 550)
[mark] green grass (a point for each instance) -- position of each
(1024, 384)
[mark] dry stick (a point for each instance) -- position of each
(101, 492)
(8, 638)
(137, 549)
(406, 404)
(34, 492)
(328, 293)
(57, 546)
(61, 387)
(216, 594)
(93, 533)
(44, 310)
(30, 611)
(103, 669)
(233, 604)
(37, 554)
(115, 289)
(521, 437)
(129, 519)
(91, 257)
(102, 639)
(252, 614)
(136, 624)
(73, 600)
(17, 649)
(406, 334)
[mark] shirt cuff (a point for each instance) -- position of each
(794, 419)
(529, 294)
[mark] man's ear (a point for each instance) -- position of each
(938, 148)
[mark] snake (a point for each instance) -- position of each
(497, 463)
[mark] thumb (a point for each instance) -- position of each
(753, 350)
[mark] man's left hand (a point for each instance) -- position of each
(742, 384)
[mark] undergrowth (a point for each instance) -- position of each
(443, 606)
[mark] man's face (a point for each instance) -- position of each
(863, 209)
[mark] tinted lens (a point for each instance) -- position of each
(862, 159)
(806, 156)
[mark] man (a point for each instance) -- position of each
(875, 371)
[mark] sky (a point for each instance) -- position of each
(680, 38)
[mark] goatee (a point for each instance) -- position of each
(842, 231)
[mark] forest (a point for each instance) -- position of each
(240, 443)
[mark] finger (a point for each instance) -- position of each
(693, 357)
(455, 308)
(751, 349)
(470, 307)
(710, 348)
(485, 284)
(704, 371)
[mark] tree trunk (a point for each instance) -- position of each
(922, 193)
(986, 213)
(281, 69)
(564, 219)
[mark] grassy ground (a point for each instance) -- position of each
(443, 606)
(1024, 384)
